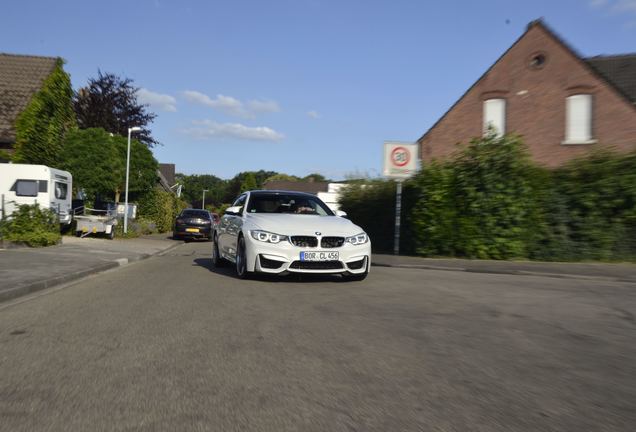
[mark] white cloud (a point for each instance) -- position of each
(232, 106)
(265, 106)
(158, 101)
(226, 104)
(209, 129)
(615, 6)
(313, 114)
(624, 6)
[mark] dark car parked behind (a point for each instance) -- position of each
(193, 223)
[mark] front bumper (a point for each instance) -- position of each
(284, 257)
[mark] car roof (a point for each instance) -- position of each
(280, 192)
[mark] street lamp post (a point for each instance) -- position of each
(130, 131)
(203, 203)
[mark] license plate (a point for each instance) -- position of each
(192, 229)
(319, 256)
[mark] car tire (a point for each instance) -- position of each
(175, 236)
(241, 259)
(217, 261)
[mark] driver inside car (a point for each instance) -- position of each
(303, 207)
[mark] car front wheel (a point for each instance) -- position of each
(241, 259)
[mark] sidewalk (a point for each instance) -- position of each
(614, 272)
(26, 270)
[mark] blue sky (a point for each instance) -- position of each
(297, 86)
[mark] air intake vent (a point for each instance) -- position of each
(332, 242)
(316, 265)
(269, 264)
(304, 241)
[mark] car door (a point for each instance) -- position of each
(229, 228)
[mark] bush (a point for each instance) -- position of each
(161, 208)
(595, 207)
(490, 201)
(434, 214)
(31, 225)
(44, 122)
(479, 204)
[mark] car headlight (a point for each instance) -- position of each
(358, 239)
(268, 237)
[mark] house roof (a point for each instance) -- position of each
(168, 172)
(21, 76)
(620, 70)
(297, 186)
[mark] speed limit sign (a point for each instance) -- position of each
(400, 159)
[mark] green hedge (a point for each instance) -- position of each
(490, 201)
(371, 205)
(589, 209)
(43, 124)
(161, 208)
(31, 225)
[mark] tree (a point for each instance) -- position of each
(97, 162)
(91, 156)
(281, 177)
(315, 177)
(42, 126)
(249, 182)
(234, 185)
(143, 168)
(193, 186)
(110, 102)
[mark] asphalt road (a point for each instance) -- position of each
(168, 344)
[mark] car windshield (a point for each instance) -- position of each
(201, 214)
(287, 203)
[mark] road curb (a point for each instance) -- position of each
(506, 272)
(23, 290)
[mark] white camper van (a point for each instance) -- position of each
(30, 184)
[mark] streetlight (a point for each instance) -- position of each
(130, 131)
(203, 203)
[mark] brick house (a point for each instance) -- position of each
(21, 76)
(561, 103)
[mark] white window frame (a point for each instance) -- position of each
(579, 114)
(494, 113)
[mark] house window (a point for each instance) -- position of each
(495, 115)
(578, 119)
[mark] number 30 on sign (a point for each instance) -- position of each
(400, 159)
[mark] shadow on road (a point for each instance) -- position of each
(228, 271)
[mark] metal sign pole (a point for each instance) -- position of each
(398, 212)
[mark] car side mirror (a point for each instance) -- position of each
(341, 213)
(234, 210)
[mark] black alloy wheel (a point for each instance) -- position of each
(241, 259)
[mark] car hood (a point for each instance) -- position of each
(290, 224)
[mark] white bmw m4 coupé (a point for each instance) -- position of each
(280, 232)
